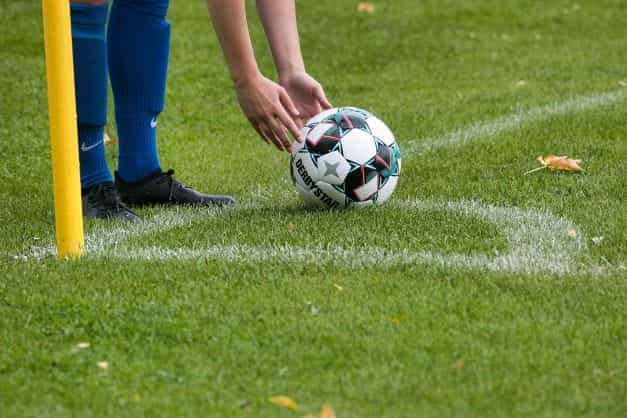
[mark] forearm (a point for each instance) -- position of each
(231, 26)
(279, 22)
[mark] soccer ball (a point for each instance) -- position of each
(348, 158)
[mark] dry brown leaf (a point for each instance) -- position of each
(459, 364)
(109, 140)
(554, 162)
(284, 401)
(561, 163)
(327, 411)
(365, 7)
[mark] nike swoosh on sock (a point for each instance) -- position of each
(86, 148)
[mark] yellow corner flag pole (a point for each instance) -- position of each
(63, 129)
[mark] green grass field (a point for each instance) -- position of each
(210, 313)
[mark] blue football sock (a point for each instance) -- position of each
(90, 69)
(139, 46)
(138, 156)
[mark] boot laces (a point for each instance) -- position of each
(173, 183)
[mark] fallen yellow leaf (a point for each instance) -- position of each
(104, 365)
(398, 319)
(327, 411)
(284, 401)
(459, 364)
(365, 7)
(554, 162)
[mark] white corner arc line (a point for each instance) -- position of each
(512, 122)
(537, 242)
(106, 237)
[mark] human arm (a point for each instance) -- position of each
(279, 22)
(267, 105)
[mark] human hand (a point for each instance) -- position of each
(269, 109)
(307, 94)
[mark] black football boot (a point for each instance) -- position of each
(160, 188)
(103, 202)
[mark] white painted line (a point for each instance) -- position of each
(538, 242)
(105, 237)
(517, 120)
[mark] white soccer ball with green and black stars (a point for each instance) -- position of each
(348, 158)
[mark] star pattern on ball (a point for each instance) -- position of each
(331, 168)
